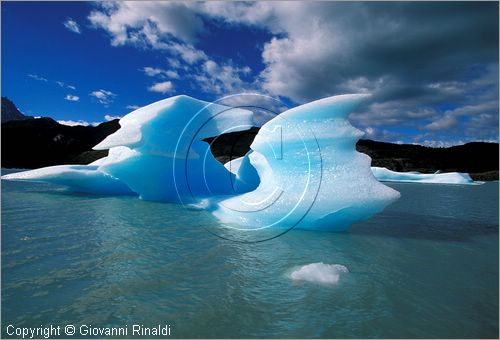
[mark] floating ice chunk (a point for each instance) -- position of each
(310, 174)
(158, 153)
(80, 178)
(171, 162)
(319, 272)
(386, 175)
(303, 168)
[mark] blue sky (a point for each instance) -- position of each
(432, 68)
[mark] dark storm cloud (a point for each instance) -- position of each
(430, 66)
(415, 43)
(415, 58)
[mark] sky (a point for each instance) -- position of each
(431, 67)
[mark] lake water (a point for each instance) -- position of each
(426, 267)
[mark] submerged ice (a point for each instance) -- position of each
(302, 170)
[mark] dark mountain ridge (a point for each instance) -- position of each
(35, 143)
(478, 158)
(32, 143)
(10, 111)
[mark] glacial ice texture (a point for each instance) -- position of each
(302, 169)
(158, 154)
(308, 172)
(386, 175)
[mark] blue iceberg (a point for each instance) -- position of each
(157, 154)
(386, 175)
(308, 172)
(302, 170)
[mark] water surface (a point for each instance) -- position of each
(426, 267)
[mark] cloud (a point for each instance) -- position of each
(72, 26)
(77, 122)
(104, 97)
(163, 87)
(174, 63)
(172, 27)
(132, 107)
(441, 144)
(419, 60)
(36, 77)
(415, 58)
(155, 71)
(72, 98)
(445, 122)
(221, 79)
(109, 117)
(152, 71)
(186, 52)
(172, 74)
(412, 69)
(147, 23)
(64, 85)
(350, 41)
(258, 13)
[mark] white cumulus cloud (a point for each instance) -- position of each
(110, 117)
(163, 87)
(104, 97)
(147, 22)
(222, 79)
(155, 71)
(152, 71)
(319, 49)
(72, 98)
(72, 25)
(76, 122)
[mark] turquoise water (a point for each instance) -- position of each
(426, 267)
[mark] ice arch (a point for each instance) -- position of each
(303, 168)
(318, 181)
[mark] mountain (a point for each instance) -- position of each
(477, 158)
(10, 111)
(34, 143)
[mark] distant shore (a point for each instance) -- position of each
(33, 143)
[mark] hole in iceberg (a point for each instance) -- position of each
(232, 145)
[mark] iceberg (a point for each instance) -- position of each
(81, 178)
(308, 172)
(386, 175)
(302, 170)
(157, 154)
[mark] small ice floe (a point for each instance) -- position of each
(319, 272)
(386, 175)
